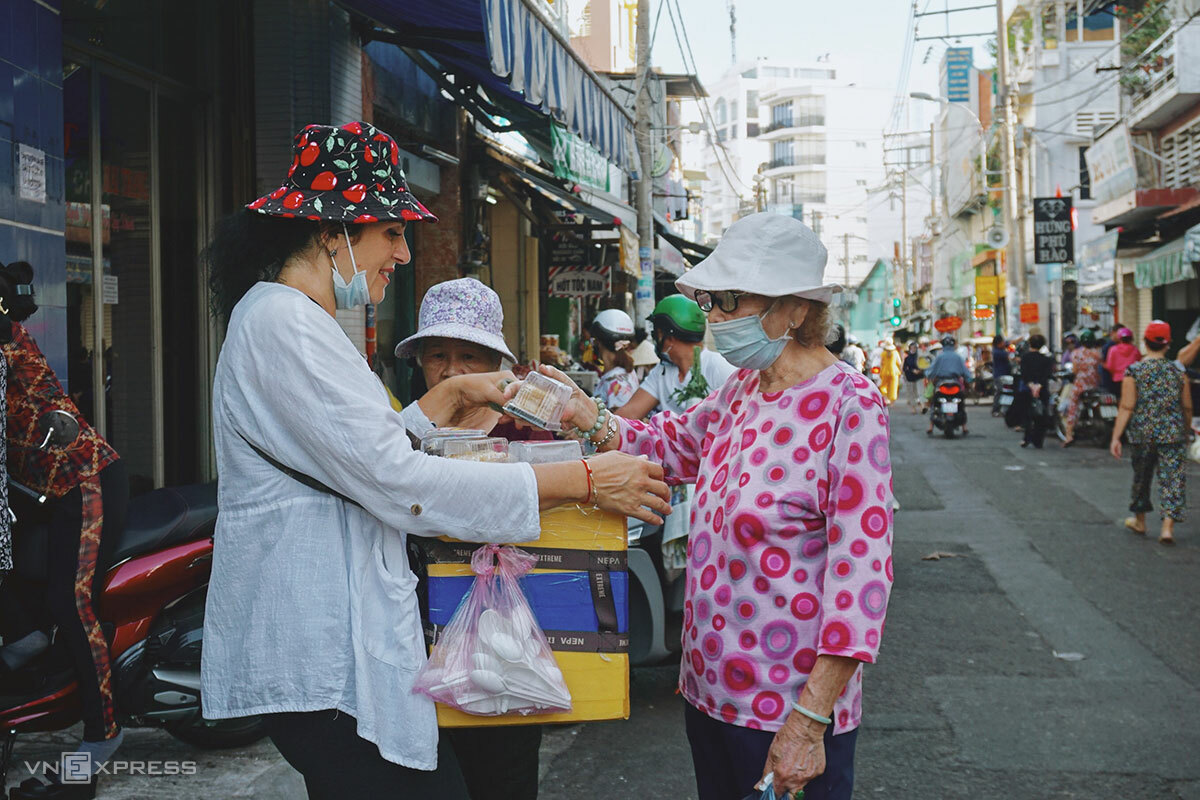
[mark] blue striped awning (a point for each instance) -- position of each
(505, 46)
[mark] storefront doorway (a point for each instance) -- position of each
(135, 203)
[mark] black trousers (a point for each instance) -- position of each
(1038, 419)
(729, 759)
(337, 763)
(499, 763)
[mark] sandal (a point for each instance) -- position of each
(1131, 524)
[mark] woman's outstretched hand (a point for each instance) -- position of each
(630, 485)
(467, 401)
(581, 410)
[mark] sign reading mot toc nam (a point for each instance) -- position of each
(1053, 234)
(578, 281)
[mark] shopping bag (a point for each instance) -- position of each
(768, 791)
(492, 658)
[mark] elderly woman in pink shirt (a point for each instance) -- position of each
(790, 555)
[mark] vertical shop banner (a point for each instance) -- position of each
(576, 160)
(1053, 234)
(1111, 166)
(580, 281)
(958, 74)
(31, 174)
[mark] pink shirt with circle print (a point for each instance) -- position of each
(790, 554)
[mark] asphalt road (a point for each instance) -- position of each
(1051, 654)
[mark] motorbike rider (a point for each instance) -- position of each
(88, 490)
(853, 354)
(615, 337)
(688, 372)
(949, 365)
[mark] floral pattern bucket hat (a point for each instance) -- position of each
(346, 174)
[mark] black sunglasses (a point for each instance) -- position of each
(727, 301)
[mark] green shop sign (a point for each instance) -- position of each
(576, 160)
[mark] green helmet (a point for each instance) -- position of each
(680, 317)
(1088, 336)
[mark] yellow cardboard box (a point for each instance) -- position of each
(587, 549)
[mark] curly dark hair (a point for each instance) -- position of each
(248, 247)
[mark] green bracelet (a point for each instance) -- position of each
(601, 416)
(814, 716)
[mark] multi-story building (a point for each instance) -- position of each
(792, 137)
(1145, 171)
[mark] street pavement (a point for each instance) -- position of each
(1047, 654)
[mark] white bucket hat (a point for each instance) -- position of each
(767, 254)
(459, 309)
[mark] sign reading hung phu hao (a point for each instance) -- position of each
(1053, 234)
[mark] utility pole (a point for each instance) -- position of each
(1013, 259)
(641, 130)
(903, 270)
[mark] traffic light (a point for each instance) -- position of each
(896, 305)
(895, 320)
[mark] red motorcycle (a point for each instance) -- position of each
(151, 611)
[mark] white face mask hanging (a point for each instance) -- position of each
(355, 293)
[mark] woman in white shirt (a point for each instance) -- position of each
(312, 616)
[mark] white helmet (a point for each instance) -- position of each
(613, 328)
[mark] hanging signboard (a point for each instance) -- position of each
(579, 281)
(987, 290)
(958, 74)
(568, 251)
(1029, 312)
(948, 324)
(1053, 235)
(576, 160)
(984, 313)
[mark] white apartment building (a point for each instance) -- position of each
(792, 137)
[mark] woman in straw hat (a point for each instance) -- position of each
(790, 553)
(312, 617)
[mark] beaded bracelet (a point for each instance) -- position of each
(814, 716)
(601, 417)
(613, 427)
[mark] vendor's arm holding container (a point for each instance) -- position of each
(790, 553)
(312, 617)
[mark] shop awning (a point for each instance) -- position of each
(1104, 287)
(1162, 266)
(668, 259)
(693, 252)
(1191, 244)
(506, 47)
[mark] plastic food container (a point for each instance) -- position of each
(540, 401)
(545, 452)
(434, 442)
(492, 448)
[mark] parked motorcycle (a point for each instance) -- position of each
(656, 596)
(1097, 414)
(947, 408)
(151, 610)
(1006, 393)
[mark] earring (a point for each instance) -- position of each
(333, 252)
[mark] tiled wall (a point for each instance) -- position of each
(31, 113)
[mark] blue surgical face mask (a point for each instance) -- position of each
(745, 343)
(355, 293)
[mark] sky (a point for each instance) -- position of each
(866, 39)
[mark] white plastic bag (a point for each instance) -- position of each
(493, 658)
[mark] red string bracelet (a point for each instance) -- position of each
(591, 484)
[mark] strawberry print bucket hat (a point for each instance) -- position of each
(346, 174)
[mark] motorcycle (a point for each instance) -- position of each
(151, 610)
(948, 407)
(1006, 393)
(1097, 413)
(656, 596)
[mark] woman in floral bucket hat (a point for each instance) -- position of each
(312, 616)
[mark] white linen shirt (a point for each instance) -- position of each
(311, 604)
(663, 381)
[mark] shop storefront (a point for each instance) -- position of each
(1169, 276)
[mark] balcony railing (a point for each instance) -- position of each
(802, 160)
(1154, 68)
(796, 122)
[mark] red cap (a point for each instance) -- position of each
(1158, 332)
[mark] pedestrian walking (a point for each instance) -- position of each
(1155, 416)
(1036, 370)
(854, 355)
(1120, 356)
(913, 376)
(890, 368)
(790, 551)
(1001, 367)
(312, 618)
(1085, 362)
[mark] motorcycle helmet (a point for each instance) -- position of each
(948, 341)
(1087, 337)
(680, 317)
(614, 329)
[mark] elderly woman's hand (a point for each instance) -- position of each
(467, 401)
(581, 411)
(631, 486)
(797, 754)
